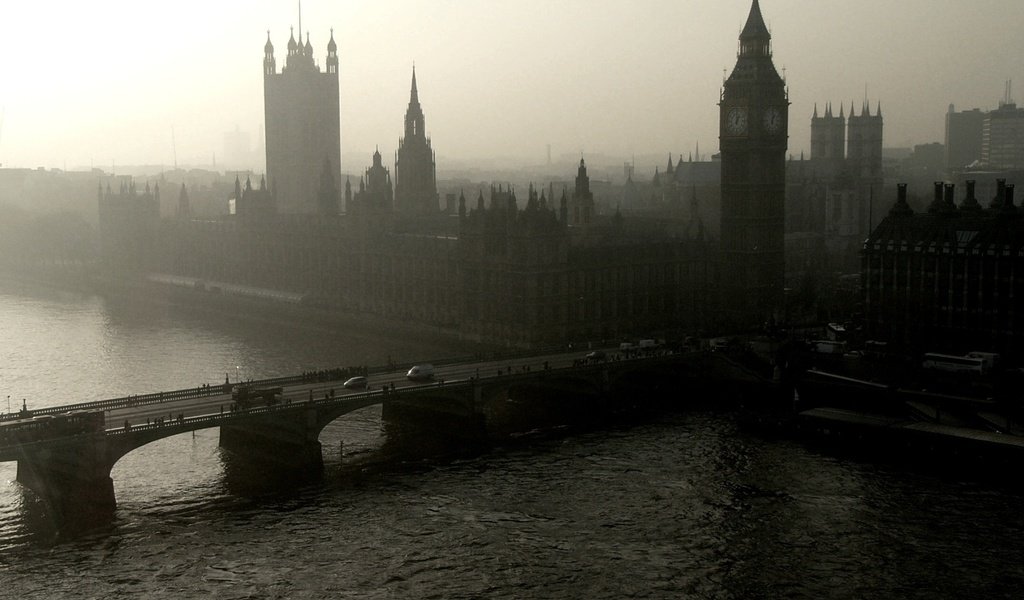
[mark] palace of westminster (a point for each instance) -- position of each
(510, 266)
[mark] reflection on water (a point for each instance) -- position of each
(677, 506)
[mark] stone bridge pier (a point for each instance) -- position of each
(283, 441)
(444, 411)
(72, 477)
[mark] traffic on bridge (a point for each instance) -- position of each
(209, 405)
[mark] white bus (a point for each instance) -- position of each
(953, 364)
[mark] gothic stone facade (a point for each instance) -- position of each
(949, 279)
(303, 127)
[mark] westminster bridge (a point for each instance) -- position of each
(66, 453)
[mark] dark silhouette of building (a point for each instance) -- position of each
(184, 210)
(753, 136)
(687, 195)
(963, 137)
(303, 126)
(542, 272)
(415, 168)
(947, 279)
(375, 195)
(253, 203)
(581, 205)
(129, 223)
(864, 145)
(828, 141)
(530, 276)
(830, 195)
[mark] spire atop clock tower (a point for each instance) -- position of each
(755, 39)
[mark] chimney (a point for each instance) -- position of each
(901, 208)
(970, 203)
(997, 202)
(950, 196)
(1008, 203)
(937, 204)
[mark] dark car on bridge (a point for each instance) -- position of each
(249, 397)
(596, 356)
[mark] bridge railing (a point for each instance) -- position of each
(214, 390)
(154, 398)
(184, 424)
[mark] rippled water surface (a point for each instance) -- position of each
(684, 505)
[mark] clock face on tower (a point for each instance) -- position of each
(773, 120)
(736, 121)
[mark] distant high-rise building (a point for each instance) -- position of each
(415, 168)
(1002, 137)
(963, 137)
(753, 130)
(303, 125)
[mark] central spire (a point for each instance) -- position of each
(755, 27)
(414, 114)
(414, 97)
(755, 39)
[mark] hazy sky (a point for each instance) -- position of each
(105, 81)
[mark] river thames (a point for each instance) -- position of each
(680, 505)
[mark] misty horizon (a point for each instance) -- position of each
(496, 83)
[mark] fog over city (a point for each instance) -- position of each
(511, 299)
(119, 82)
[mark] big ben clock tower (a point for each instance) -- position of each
(753, 132)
